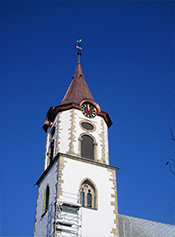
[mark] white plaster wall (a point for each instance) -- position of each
(46, 150)
(79, 130)
(95, 223)
(96, 134)
(106, 142)
(44, 225)
(64, 130)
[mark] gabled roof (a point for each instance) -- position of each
(78, 89)
(137, 227)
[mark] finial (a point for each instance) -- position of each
(79, 49)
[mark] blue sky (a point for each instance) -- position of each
(128, 63)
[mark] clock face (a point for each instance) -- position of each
(88, 110)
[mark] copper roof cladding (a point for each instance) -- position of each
(78, 89)
(77, 93)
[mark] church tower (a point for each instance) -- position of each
(77, 193)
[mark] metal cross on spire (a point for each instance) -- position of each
(79, 48)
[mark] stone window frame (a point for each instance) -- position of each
(46, 200)
(91, 185)
(87, 121)
(95, 144)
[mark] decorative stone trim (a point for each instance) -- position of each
(72, 131)
(102, 142)
(61, 165)
(114, 197)
(58, 131)
(73, 158)
(88, 161)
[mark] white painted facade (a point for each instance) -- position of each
(68, 128)
(70, 169)
(44, 224)
(95, 223)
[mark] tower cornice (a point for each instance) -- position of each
(53, 111)
(73, 158)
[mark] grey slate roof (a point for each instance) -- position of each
(136, 227)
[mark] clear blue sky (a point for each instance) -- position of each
(128, 63)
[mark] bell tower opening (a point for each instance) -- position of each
(87, 147)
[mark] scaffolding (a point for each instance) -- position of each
(67, 216)
(125, 228)
(114, 234)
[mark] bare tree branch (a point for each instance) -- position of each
(172, 135)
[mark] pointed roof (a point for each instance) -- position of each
(78, 89)
(77, 93)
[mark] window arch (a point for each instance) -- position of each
(51, 146)
(87, 147)
(46, 200)
(88, 194)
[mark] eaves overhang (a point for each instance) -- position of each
(53, 111)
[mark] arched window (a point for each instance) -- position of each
(88, 194)
(46, 200)
(51, 147)
(51, 150)
(87, 147)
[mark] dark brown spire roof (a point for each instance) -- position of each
(77, 93)
(78, 89)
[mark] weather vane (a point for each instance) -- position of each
(79, 47)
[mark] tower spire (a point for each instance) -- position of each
(79, 54)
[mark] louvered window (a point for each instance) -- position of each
(87, 147)
(51, 146)
(51, 150)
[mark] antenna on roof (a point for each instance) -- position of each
(80, 48)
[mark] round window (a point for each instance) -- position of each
(87, 126)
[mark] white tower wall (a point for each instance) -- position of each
(44, 223)
(73, 174)
(69, 132)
